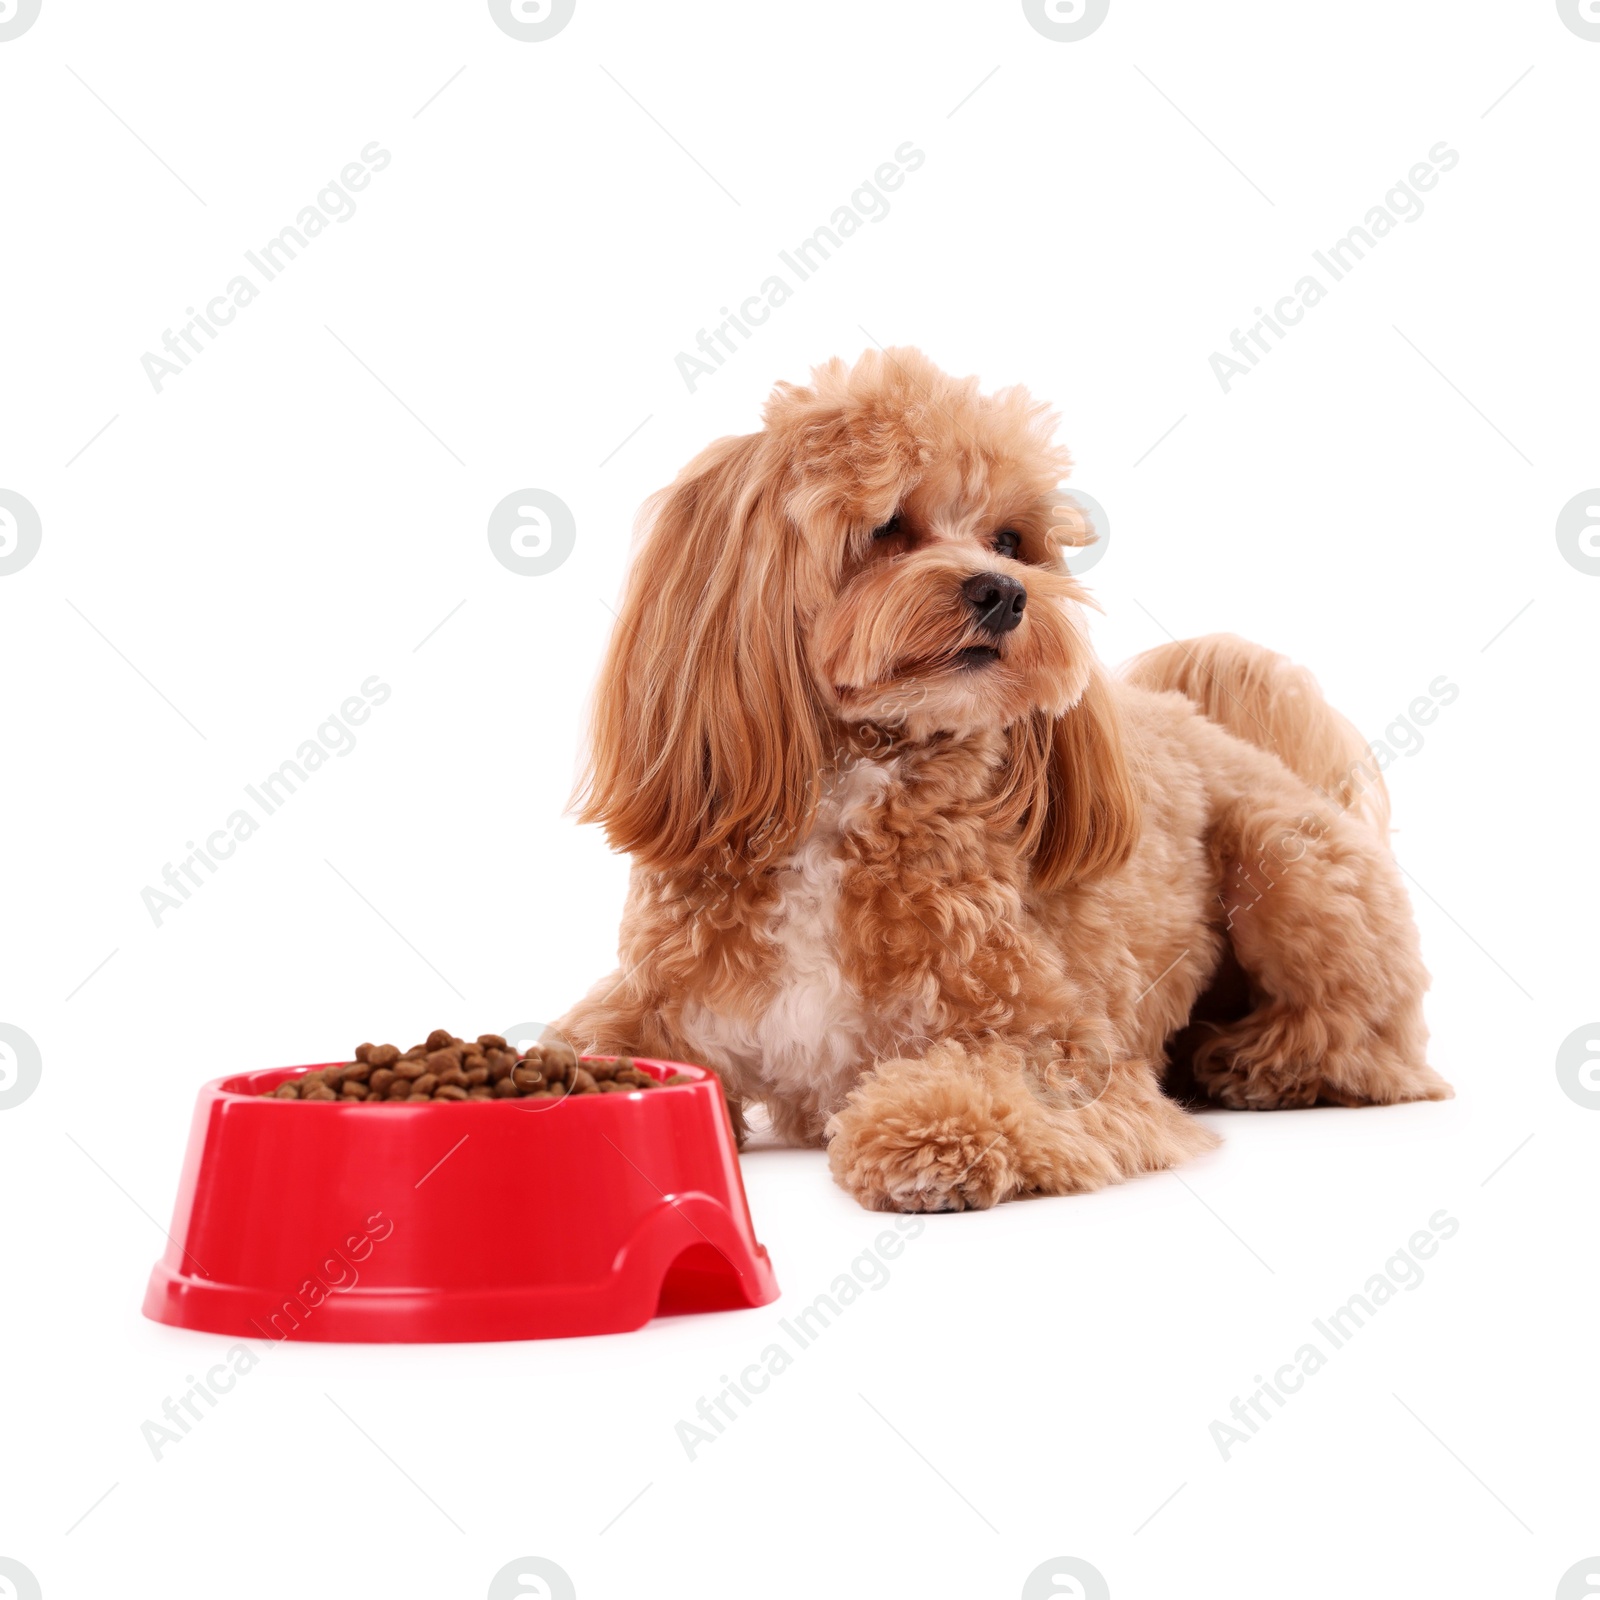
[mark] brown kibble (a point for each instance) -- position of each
(679, 1077)
(445, 1067)
(558, 1053)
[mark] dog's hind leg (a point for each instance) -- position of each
(1317, 917)
(1318, 920)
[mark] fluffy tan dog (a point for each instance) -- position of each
(911, 869)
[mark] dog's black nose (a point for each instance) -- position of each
(998, 600)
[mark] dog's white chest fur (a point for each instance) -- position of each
(802, 1037)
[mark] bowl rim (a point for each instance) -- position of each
(220, 1087)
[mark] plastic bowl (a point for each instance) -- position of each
(501, 1219)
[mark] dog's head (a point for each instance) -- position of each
(885, 552)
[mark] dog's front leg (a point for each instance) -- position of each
(619, 1017)
(967, 1126)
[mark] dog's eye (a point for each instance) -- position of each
(1007, 542)
(889, 529)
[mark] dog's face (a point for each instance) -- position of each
(950, 617)
(948, 608)
(886, 551)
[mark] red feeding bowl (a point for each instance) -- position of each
(500, 1219)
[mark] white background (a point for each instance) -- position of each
(230, 558)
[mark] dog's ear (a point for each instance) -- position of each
(1074, 789)
(706, 742)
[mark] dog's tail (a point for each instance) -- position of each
(1265, 699)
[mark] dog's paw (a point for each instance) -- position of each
(1264, 1063)
(921, 1158)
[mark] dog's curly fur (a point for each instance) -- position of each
(952, 900)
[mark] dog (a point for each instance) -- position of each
(912, 869)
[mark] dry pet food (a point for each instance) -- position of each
(444, 1067)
